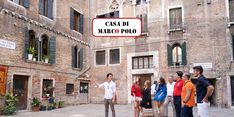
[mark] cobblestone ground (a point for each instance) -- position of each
(97, 110)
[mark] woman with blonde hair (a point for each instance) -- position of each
(136, 93)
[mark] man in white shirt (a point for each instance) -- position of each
(110, 94)
(169, 98)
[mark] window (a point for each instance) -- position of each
(233, 47)
(43, 48)
(176, 54)
(144, 22)
(138, 2)
(69, 88)
(47, 88)
(77, 57)
(114, 14)
(175, 16)
(24, 3)
(33, 43)
(142, 62)
(114, 56)
(76, 21)
(46, 8)
(231, 10)
(100, 57)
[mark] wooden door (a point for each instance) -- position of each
(20, 90)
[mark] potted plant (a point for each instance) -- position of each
(42, 108)
(46, 59)
(10, 105)
(31, 52)
(49, 107)
(54, 105)
(35, 104)
(60, 104)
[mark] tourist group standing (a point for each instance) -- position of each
(180, 94)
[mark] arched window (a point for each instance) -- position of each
(44, 49)
(177, 54)
(32, 39)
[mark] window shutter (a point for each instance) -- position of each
(232, 47)
(72, 22)
(179, 18)
(81, 24)
(73, 57)
(50, 8)
(116, 13)
(144, 20)
(26, 3)
(26, 42)
(41, 5)
(183, 47)
(231, 10)
(172, 18)
(169, 55)
(81, 54)
(52, 49)
(36, 47)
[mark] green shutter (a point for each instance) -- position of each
(81, 54)
(172, 15)
(26, 3)
(52, 49)
(50, 8)
(169, 55)
(72, 22)
(73, 57)
(41, 7)
(144, 23)
(81, 24)
(26, 42)
(184, 53)
(36, 47)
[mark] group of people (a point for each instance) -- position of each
(181, 95)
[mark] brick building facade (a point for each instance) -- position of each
(177, 35)
(54, 29)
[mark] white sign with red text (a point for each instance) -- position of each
(117, 27)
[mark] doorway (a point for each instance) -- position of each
(84, 92)
(142, 79)
(20, 90)
(232, 89)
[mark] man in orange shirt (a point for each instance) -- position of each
(187, 97)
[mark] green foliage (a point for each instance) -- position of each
(46, 57)
(10, 105)
(36, 102)
(31, 50)
(60, 103)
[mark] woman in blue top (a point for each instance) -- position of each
(161, 93)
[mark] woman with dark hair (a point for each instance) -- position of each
(136, 93)
(146, 97)
(161, 92)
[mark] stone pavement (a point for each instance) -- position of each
(97, 110)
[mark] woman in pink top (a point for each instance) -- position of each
(136, 93)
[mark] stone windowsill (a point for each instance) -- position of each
(38, 62)
(179, 66)
(77, 69)
(176, 29)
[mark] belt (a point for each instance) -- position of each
(169, 96)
